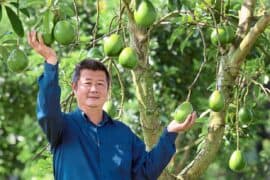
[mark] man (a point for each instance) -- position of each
(87, 143)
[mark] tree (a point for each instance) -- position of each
(177, 62)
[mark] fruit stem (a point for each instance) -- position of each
(237, 120)
(201, 67)
(110, 72)
(122, 90)
(121, 10)
(188, 96)
(77, 19)
(18, 14)
(96, 25)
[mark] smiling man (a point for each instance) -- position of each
(87, 143)
(90, 85)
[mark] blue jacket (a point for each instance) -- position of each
(85, 151)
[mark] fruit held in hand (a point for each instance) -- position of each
(128, 58)
(47, 27)
(47, 38)
(17, 61)
(237, 161)
(145, 14)
(216, 101)
(113, 45)
(64, 32)
(182, 111)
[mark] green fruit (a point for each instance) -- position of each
(47, 38)
(237, 161)
(230, 33)
(182, 111)
(30, 21)
(145, 14)
(128, 58)
(17, 61)
(113, 45)
(110, 108)
(47, 27)
(64, 32)
(244, 114)
(225, 34)
(221, 35)
(206, 4)
(216, 101)
(95, 53)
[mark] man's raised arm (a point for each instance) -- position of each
(48, 102)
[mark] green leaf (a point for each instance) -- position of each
(202, 120)
(174, 5)
(3, 52)
(0, 13)
(23, 10)
(32, 3)
(5, 34)
(48, 22)
(185, 43)
(178, 32)
(10, 41)
(66, 10)
(15, 22)
(189, 4)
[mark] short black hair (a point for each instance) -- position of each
(91, 65)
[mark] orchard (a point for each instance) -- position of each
(167, 58)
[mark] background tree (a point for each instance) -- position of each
(191, 49)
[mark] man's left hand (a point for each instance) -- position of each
(174, 126)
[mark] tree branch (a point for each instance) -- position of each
(207, 154)
(129, 11)
(239, 55)
(245, 15)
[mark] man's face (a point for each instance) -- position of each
(91, 89)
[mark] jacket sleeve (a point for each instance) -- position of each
(48, 104)
(149, 165)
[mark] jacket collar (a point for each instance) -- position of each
(105, 119)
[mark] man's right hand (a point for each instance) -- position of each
(38, 45)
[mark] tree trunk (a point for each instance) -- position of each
(147, 106)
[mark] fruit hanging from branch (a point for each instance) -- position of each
(113, 45)
(128, 58)
(145, 14)
(17, 61)
(237, 161)
(216, 101)
(223, 34)
(95, 53)
(245, 115)
(64, 32)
